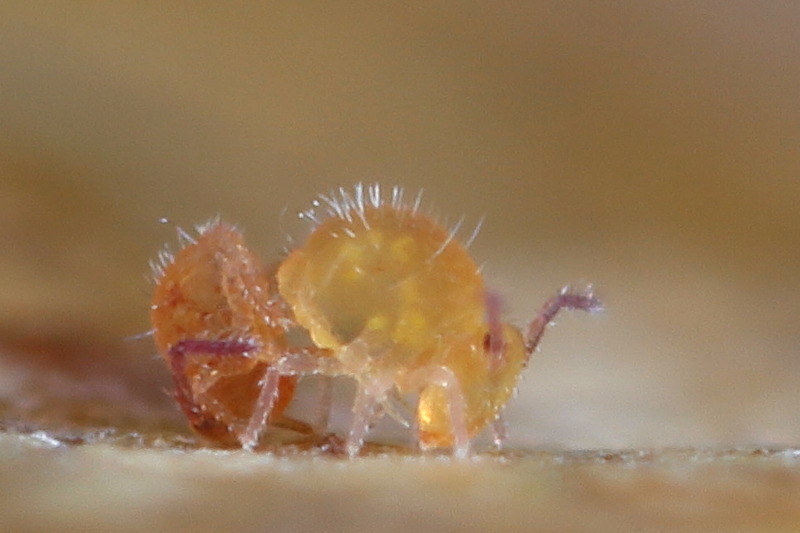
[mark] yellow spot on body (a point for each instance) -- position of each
(411, 328)
(375, 239)
(402, 248)
(377, 323)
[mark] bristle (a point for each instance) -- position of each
(397, 197)
(375, 195)
(333, 207)
(475, 232)
(208, 225)
(166, 257)
(451, 235)
(348, 204)
(162, 260)
(309, 214)
(353, 204)
(184, 239)
(360, 196)
(417, 201)
(139, 336)
(156, 271)
(357, 204)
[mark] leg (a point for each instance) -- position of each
(397, 408)
(262, 409)
(298, 362)
(183, 389)
(446, 379)
(363, 411)
(584, 300)
(371, 395)
(222, 414)
(499, 431)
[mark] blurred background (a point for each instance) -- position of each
(649, 148)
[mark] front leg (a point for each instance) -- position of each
(446, 380)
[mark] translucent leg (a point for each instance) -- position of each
(262, 409)
(567, 298)
(458, 409)
(398, 409)
(298, 362)
(444, 377)
(363, 410)
(499, 431)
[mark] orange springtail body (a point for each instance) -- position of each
(218, 326)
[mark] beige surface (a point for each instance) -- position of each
(674, 490)
(649, 148)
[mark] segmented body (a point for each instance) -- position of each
(218, 329)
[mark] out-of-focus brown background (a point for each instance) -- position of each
(650, 148)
